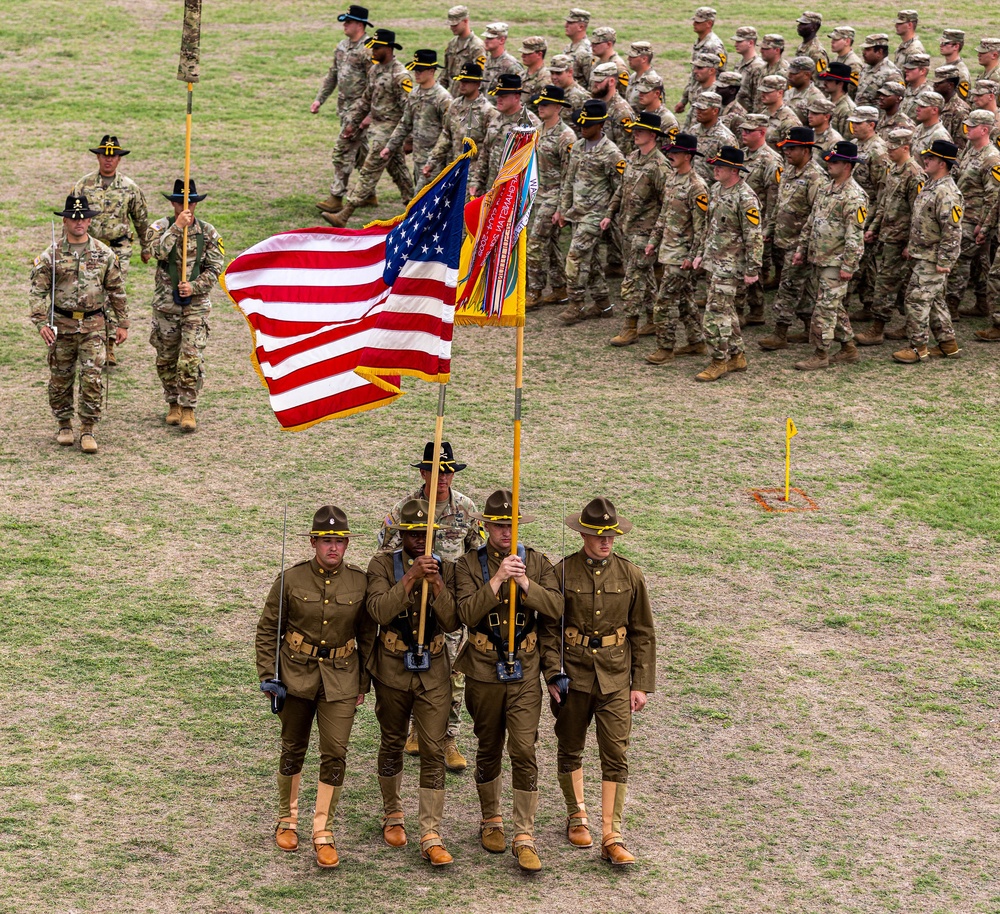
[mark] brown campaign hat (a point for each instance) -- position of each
(499, 510)
(413, 516)
(329, 521)
(599, 518)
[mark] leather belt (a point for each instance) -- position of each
(297, 643)
(483, 644)
(575, 637)
(397, 645)
(78, 315)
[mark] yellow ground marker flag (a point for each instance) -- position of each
(790, 432)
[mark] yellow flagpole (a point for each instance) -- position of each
(515, 488)
(431, 510)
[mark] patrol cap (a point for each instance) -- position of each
(560, 63)
(842, 151)
(755, 122)
(980, 118)
(893, 88)
(838, 72)
(496, 30)
(355, 14)
(648, 82)
(806, 64)
(876, 40)
(773, 40)
(470, 71)
(843, 31)
(820, 106)
(603, 71)
(729, 156)
(109, 146)
(810, 18)
(704, 14)
(799, 136)
(76, 208)
(413, 515)
(942, 149)
(509, 83)
(913, 61)
(988, 45)
(458, 13)
(773, 83)
(900, 136)
(424, 59)
(985, 87)
(745, 33)
(930, 99)
(593, 110)
(707, 100)
(907, 16)
(946, 71)
(863, 114)
(329, 520)
(949, 36)
(551, 95)
(383, 36)
(640, 49)
(534, 44)
(729, 79)
(705, 59)
(578, 15)
(603, 33)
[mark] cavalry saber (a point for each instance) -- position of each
(275, 687)
(52, 295)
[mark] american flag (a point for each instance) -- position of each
(324, 305)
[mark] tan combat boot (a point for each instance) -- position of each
(453, 758)
(847, 355)
(341, 218)
(648, 328)
(557, 296)
(661, 356)
(899, 334)
(601, 307)
(819, 359)
(946, 349)
(693, 349)
(577, 824)
(612, 845)
(614, 271)
(737, 362)
(523, 846)
(953, 308)
(491, 835)
(911, 355)
(533, 301)
(188, 423)
(872, 337)
(863, 314)
(326, 805)
(331, 204)
(286, 829)
(88, 443)
(572, 313)
(372, 200)
(629, 333)
(174, 414)
(756, 316)
(716, 370)
(65, 435)
(432, 847)
(393, 828)
(801, 336)
(777, 340)
(980, 309)
(991, 335)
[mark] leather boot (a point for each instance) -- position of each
(331, 204)
(65, 436)
(577, 824)
(88, 443)
(601, 307)
(286, 829)
(648, 328)
(372, 200)
(716, 370)
(629, 333)
(863, 314)
(341, 218)
(693, 349)
(491, 834)
(188, 423)
(412, 746)
(614, 271)
(990, 335)
(174, 414)
(946, 349)
(737, 362)
(777, 340)
(327, 797)
(872, 337)
(523, 846)
(431, 813)
(756, 316)
(573, 312)
(661, 356)
(848, 354)
(533, 300)
(819, 359)
(393, 830)
(557, 296)
(801, 336)
(453, 758)
(953, 308)
(911, 355)
(899, 334)
(980, 309)
(612, 803)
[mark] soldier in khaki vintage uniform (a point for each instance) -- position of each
(730, 250)
(596, 166)
(119, 202)
(181, 304)
(470, 115)
(636, 206)
(458, 531)
(463, 49)
(673, 239)
(505, 700)
(88, 284)
(608, 648)
(878, 69)
(326, 639)
(546, 263)
(424, 115)
(348, 75)
(412, 677)
(934, 246)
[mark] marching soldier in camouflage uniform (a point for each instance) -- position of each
(499, 62)
(546, 262)
(889, 97)
(465, 48)
(802, 90)
(750, 66)
(708, 42)
(800, 183)
(181, 304)
(955, 110)
(772, 50)
(834, 83)
(988, 52)
(505, 709)
(561, 68)
(934, 246)
(730, 249)
(458, 531)
(987, 233)
(423, 117)
(807, 25)
(118, 201)
(88, 282)
(928, 117)
(348, 75)
(604, 86)
(578, 48)
(984, 97)
(379, 110)
(678, 227)
(915, 71)
(511, 111)
(636, 207)
(878, 69)
(596, 166)
(602, 45)
(906, 29)
(704, 73)
(764, 177)
(470, 115)
(780, 117)
(833, 242)
(649, 98)
(732, 112)
(842, 44)
(536, 76)
(890, 230)
(712, 134)
(608, 646)
(951, 44)
(325, 641)
(640, 59)
(819, 111)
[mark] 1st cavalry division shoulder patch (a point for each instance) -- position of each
(702, 201)
(620, 166)
(862, 214)
(956, 214)
(753, 215)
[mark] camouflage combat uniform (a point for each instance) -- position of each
(89, 282)
(120, 202)
(842, 110)
(636, 207)
(887, 123)
(710, 141)
(679, 226)
(710, 44)
(459, 52)
(423, 120)
(732, 116)
(833, 241)
(752, 71)
(906, 48)
(487, 165)
(616, 129)
(582, 55)
(458, 125)
(857, 65)
(800, 99)
(731, 247)
(545, 261)
(384, 100)
(576, 95)
(632, 95)
(874, 78)
(179, 333)
(348, 75)
(824, 141)
(779, 124)
(923, 136)
(764, 178)
(532, 85)
(870, 174)
(952, 114)
(495, 67)
(814, 48)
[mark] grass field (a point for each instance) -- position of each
(824, 734)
